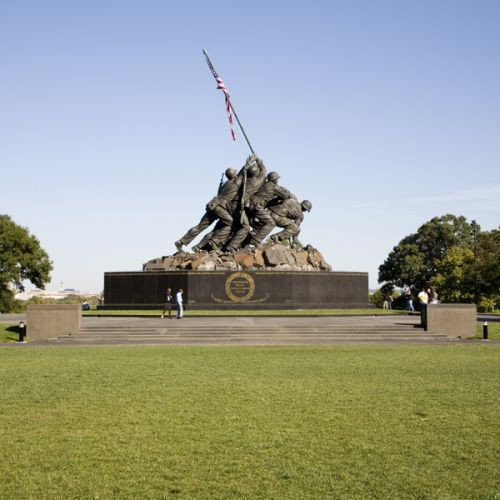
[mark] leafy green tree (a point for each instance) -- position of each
(405, 266)
(376, 298)
(486, 267)
(21, 259)
(454, 279)
(471, 274)
(415, 260)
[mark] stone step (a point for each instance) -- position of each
(275, 330)
(253, 328)
(358, 331)
(236, 331)
(246, 340)
(260, 331)
(239, 334)
(250, 329)
(282, 337)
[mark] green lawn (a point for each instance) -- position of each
(246, 422)
(274, 312)
(9, 332)
(493, 330)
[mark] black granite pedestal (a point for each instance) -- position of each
(238, 289)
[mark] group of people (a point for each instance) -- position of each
(426, 296)
(248, 206)
(169, 302)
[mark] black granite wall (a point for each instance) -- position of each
(237, 290)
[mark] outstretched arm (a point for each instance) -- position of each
(247, 164)
(262, 168)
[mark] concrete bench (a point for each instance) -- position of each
(52, 320)
(454, 320)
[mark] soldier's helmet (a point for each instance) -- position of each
(272, 176)
(253, 170)
(306, 205)
(230, 173)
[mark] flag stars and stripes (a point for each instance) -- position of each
(221, 86)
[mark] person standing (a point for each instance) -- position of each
(178, 301)
(409, 301)
(388, 301)
(423, 297)
(433, 297)
(168, 304)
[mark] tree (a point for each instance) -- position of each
(417, 258)
(454, 279)
(443, 254)
(486, 266)
(21, 259)
(467, 274)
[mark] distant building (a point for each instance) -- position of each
(48, 294)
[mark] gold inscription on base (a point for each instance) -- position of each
(240, 287)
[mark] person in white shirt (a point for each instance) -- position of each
(423, 297)
(178, 301)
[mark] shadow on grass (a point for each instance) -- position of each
(13, 335)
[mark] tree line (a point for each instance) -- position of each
(453, 256)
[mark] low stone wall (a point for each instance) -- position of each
(48, 321)
(454, 320)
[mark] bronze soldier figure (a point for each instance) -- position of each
(269, 193)
(218, 207)
(249, 198)
(289, 216)
(256, 176)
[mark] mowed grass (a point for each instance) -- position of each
(493, 330)
(9, 332)
(273, 422)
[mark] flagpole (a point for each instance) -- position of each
(214, 72)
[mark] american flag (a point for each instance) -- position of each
(222, 86)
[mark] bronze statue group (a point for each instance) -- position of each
(248, 206)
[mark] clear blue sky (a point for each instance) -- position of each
(113, 136)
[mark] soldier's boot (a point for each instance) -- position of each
(215, 245)
(255, 243)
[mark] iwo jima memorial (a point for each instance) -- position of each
(240, 263)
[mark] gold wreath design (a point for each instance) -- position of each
(254, 301)
(250, 292)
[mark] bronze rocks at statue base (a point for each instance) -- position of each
(275, 257)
